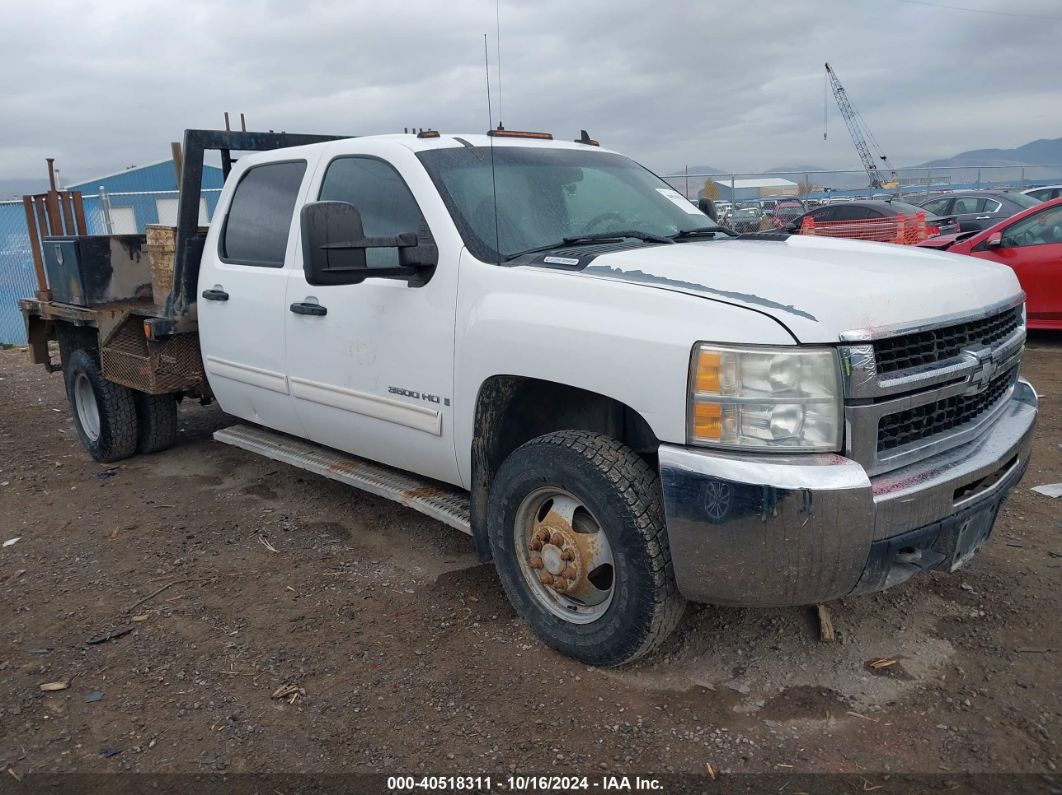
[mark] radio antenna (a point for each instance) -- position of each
(486, 69)
(497, 20)
(490, 126)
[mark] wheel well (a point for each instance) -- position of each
(512, 410)
(73, 338)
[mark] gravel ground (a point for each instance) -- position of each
(225, 577)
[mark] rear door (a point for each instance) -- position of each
(373, 376)
(970, 212)
(242, 287)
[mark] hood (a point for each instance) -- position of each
(817, 287)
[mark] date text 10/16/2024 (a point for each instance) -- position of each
(515, 783)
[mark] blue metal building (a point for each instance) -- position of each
(142, 195)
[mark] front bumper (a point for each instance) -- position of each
(792, 530)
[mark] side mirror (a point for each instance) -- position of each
(793, 227)
(995, 240)
(334, 245)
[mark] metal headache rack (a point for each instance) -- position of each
(137, 292)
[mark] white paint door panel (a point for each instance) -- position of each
(242, 286)
(374, 376)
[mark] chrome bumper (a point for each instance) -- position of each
(791, 530)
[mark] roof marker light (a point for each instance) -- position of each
(542, 136)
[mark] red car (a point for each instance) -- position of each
(1031, 244)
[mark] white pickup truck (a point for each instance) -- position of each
(542, 344)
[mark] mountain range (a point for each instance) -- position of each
(1046, 151)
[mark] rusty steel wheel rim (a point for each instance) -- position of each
(88, 412)
(564, 556)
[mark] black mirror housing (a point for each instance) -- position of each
(334, 245)
(323, 225)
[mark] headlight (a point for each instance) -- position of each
(783, 399)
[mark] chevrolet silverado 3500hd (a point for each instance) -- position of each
(544, 345)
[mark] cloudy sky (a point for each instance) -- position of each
(102, 85)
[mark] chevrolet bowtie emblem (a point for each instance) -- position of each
(984, 368)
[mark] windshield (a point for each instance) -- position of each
(546, 195)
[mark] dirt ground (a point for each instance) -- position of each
(233, 576)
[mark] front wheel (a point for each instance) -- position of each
(577, 531)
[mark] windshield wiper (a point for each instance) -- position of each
(704, 231)
(596, 237)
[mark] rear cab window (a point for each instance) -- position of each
(259, 217)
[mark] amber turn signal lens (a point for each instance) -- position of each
(709, 367)
(707, 421)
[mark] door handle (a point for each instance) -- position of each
(215, 295)
(982, 217)
(306, 308)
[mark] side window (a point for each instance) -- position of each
(968, 204)
(1038, 229)
(825, 214)
(260, 214)
(936, 207)
(990, 206)
(378, 192)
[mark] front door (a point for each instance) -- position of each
(373, 374)
(1033, 248)
(242, 286)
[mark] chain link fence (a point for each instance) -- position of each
(912, 185)
(105, 213)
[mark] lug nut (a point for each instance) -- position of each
(560, 584)
(535, 545)
(536, 560)
(545, 578)
(557, 540)
(567, 555)
(569, 573)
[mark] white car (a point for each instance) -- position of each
(1045, 193)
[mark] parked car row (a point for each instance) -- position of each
(958, 211)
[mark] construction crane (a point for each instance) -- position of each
(865, 143)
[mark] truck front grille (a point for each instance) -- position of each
(928, 389)
(936, 345)
(926, 421)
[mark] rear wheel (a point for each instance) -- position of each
(104, 412)
(157, 422)
(577, 532)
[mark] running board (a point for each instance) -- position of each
(440, 501)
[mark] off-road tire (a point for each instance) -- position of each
(156, 417)
(623, 492)
(117, 435)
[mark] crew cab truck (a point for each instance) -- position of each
(544, 345)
